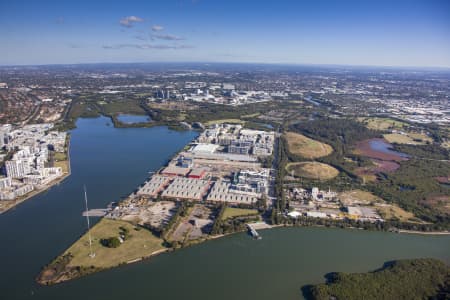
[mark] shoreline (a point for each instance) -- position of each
(215, 237)
(45, 188)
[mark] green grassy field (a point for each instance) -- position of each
(231, 212)
(59, 156)
(232, 121)
(141, 243)
(312, 170)
(64, 164)
(115, 107)
(408, 138)
(308, 148)
(382, 123)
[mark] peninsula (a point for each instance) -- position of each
(224, 181)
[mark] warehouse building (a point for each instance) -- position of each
(172, 170)
(187, 189)
(154, 186)
(221, 192)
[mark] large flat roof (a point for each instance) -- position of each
(205, 148)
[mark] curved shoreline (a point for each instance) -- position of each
(66, 278)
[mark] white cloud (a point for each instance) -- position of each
(129, 21)
(167, 37)
(146, 46)
(157, 28)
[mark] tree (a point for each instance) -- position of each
(112, 242)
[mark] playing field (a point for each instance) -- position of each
(141, 243)
(312, 170)
(304, 146)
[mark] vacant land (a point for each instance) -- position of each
(382, 124)
(393, 212)
(140, 243)
(408, 138)
(312, 170)
(386, 211)
(304, 146)
(63, 164)
(358, 196)
(231, 212)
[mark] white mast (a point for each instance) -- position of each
(91, 254)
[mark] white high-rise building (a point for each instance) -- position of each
(5, 182)
(15, 168)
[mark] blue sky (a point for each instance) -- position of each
(387, 33)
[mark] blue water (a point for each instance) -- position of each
(381, 146)
(112, 163)
(133, 119)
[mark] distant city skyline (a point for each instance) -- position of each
(401, 33)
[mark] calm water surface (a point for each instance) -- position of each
(382, 146)
(112, 163)
(133, 119)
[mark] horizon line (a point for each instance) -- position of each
(447, 68)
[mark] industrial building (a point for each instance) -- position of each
(154, 186)
(222, 192)
(198, 173)
(187, 189)
(172, 170)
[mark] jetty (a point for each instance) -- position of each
(96, 212)
(252, 227)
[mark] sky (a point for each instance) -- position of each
(342, 32)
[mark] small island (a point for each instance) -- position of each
(215, 186)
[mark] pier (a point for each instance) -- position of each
(96, 212)
(259, 225)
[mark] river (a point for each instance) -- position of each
(112, 162)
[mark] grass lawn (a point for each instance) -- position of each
(382, 123)
(231, 212)
(64, 164)
(60, 156)
(308, 148)
(312, 170)
(409, 138)
(140, 244)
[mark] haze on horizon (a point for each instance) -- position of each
(380, 33)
